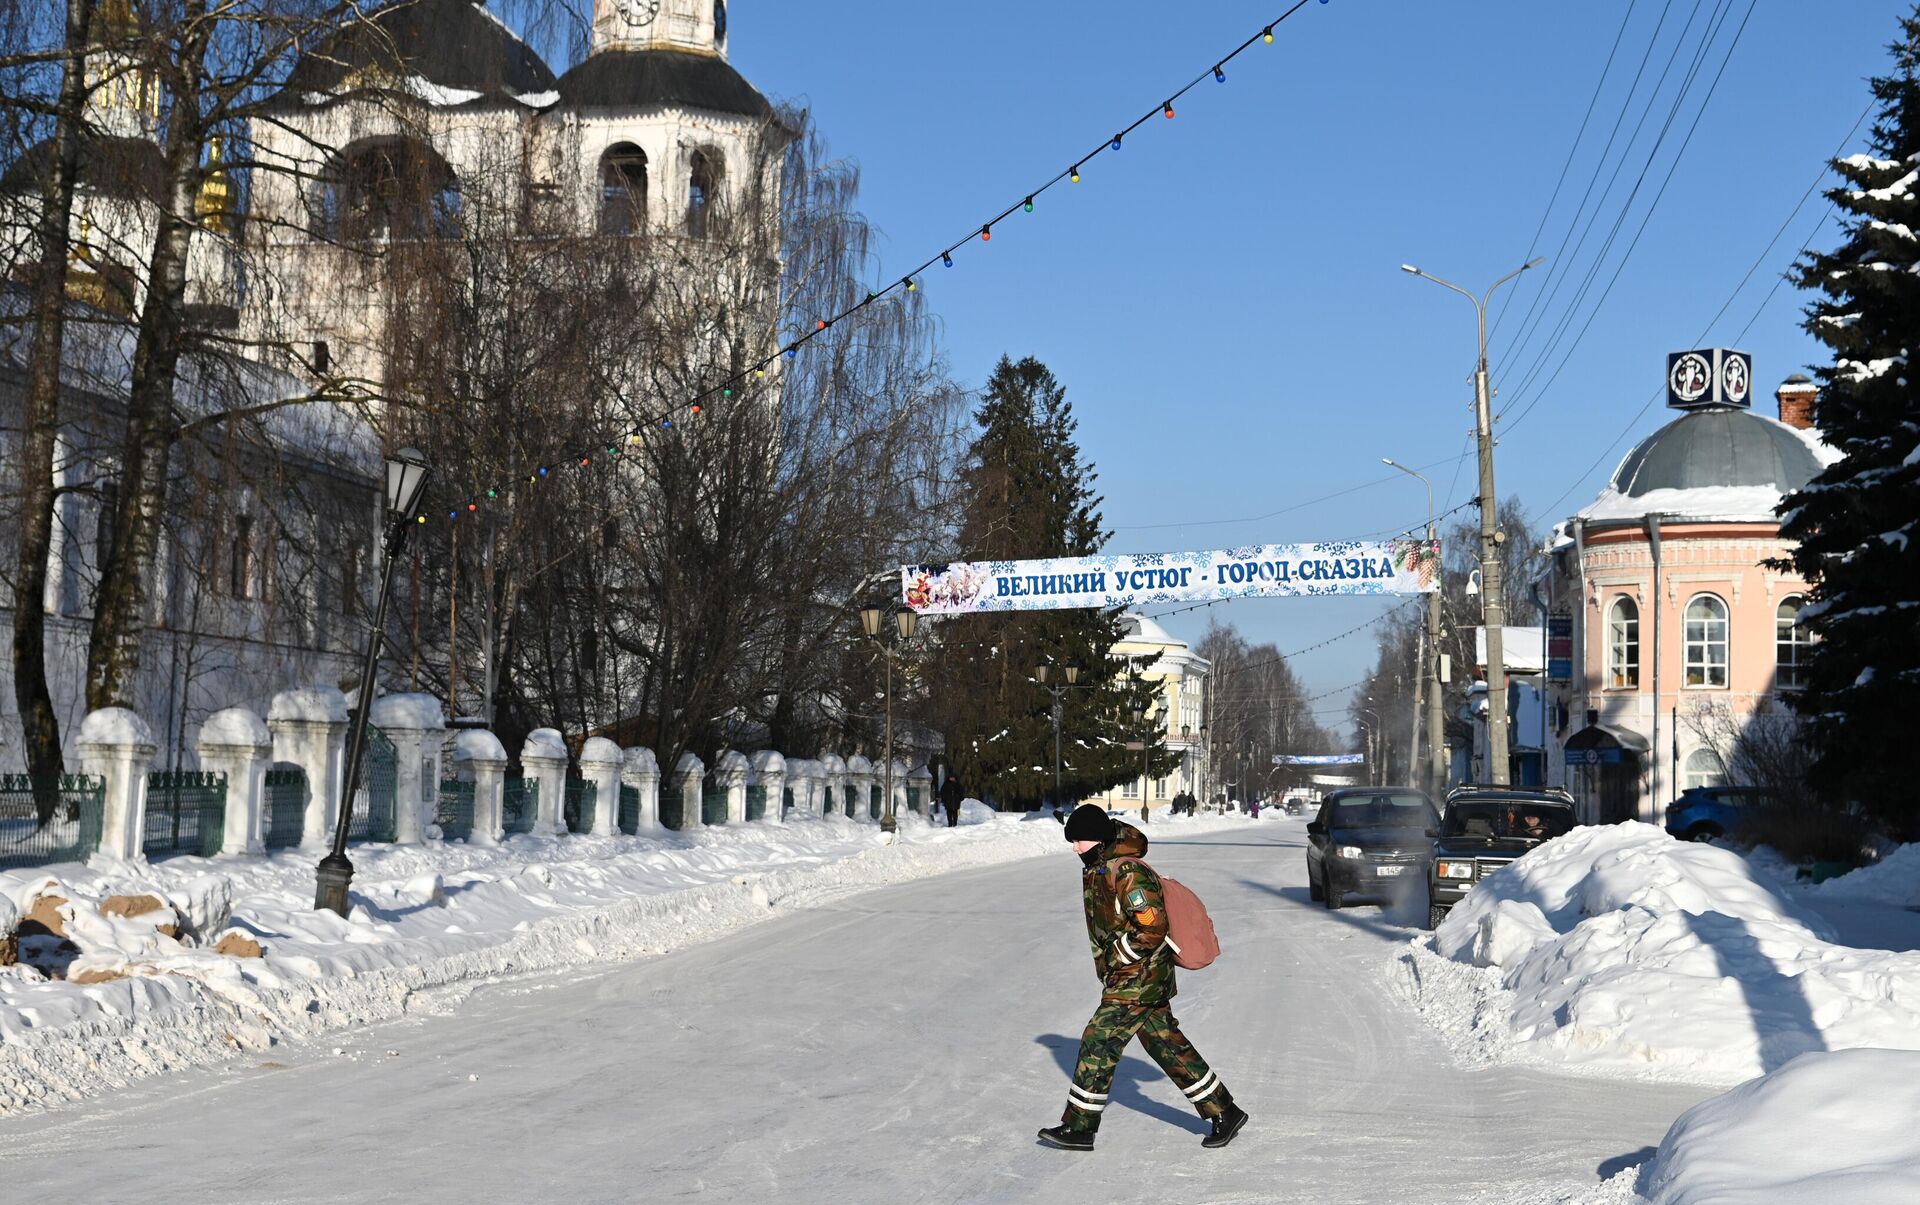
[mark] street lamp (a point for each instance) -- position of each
(1377, 733)
(406, 479)
(1492, 613)
(1429, 678)
(1159, 719)
(1059, 694)
(905, 620)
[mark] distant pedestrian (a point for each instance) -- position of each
(950, 798)
(1127, 927)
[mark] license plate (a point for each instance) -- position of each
(1387, 870)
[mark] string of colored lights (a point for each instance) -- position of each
(729, 386)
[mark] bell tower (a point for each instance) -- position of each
(691, 26)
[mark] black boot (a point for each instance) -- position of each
(1226, 1126)
(1068, 1140)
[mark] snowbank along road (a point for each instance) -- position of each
(900, 1045)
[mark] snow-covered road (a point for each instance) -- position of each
(899, 1045)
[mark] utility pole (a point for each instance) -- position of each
(1492, 613)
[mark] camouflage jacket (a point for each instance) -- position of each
(1127, 923)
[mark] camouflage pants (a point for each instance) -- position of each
(1107, 1035)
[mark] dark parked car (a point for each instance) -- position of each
(1367, 840)
(1484, 829)
(1703, 813)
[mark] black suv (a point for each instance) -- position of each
(1367, 839)
(1484, 829)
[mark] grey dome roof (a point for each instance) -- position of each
(638, 79)
(452, 43)
(1717, 448)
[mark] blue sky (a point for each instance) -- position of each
(1222, 298)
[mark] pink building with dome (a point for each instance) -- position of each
(1681, 634)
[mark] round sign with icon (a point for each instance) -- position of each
(1690, 377)
(1736, 379)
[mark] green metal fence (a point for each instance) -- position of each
(786, 802)
(913, 798)
(373, 803)
(873, 807)
(756, 803)
(673, 805)
(186, 813)
(826, 800)
(453, 811)
(579, 804)
(629, 818)
(713, 804)
(50, 819)
(520, 805)
(286, 818)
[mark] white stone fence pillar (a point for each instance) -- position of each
(235, 742)
(860, 778)
(899, 790)
(480, 758)
(770, 772)
(600, 762)
(115, 744)
(921, 779)
(732, 772)
(309, 729)
(544, 759)
(833, 785)
(642, 772)
(690, 775)
(418, 729)
(804, 775)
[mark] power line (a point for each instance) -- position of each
(1805, 196)
(1352, 489)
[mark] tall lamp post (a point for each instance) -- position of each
(1430, 659)
(1492, 613)
(905, 620)
(1059, 693)
(406, 480)
(1376, 767)
(1158, 719)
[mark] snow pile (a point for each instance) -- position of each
(146, 991)
(1835, 1128)
(1894, 879)
(1622, 950)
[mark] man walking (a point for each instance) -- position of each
(1127, 927)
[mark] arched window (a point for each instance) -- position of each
(1791, 646)
(1706, 641)
(703, 192)
(1703, 769)
(623, 190)
(1623, 644)
(720, 22)
(390, 189)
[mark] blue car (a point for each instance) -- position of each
(1703, 813)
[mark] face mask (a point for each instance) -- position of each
(1090, 858)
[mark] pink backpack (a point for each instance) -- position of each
(1189, 928)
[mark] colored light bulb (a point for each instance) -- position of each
(946, 259)
(728, 392)
(1029, 205)
(911, 284)
(1219, 75)
(453, 514)
(1074, 175)
(695, 408)
(1169, 110)
(421, 519)
(986, 234)
(823, 324)
(585, 460)
(1116, 142)
(1268, 35)
(472, 506)
(792, 352)
(543, 470)
(492, 494)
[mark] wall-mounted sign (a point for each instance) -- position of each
(1559, 648)
(1144, 579)
(1713, 376)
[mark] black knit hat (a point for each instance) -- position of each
(1090, 822)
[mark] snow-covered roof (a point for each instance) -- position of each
(1141, 628)
(444, 52)
(1711, 465)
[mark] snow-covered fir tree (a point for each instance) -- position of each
(1858, 523)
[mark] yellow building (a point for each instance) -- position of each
(1180, 676)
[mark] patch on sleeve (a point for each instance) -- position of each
(1136, 900)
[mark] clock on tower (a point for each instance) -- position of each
(637, 13)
